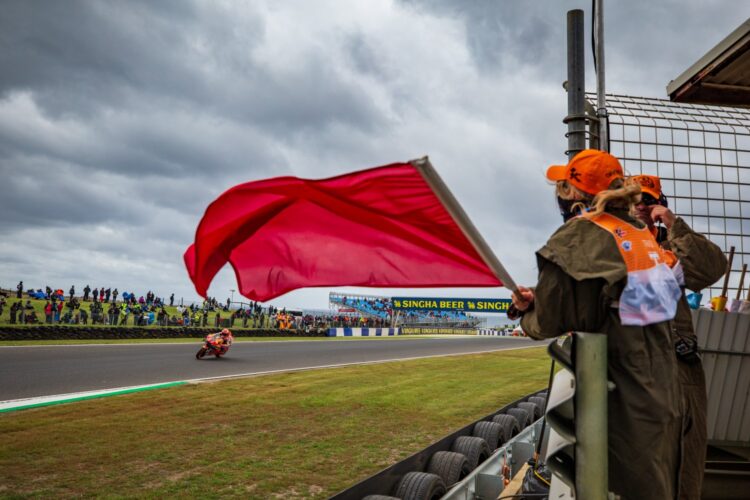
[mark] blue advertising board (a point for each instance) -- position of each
(450, 304)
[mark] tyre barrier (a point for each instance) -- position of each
(492, 432)
(450, 466)
(362, 332)
(540, 401)
(431, 472)
(475, 449)
(420, 486)
(67, 332)
(535, 413)
(491, 332)
(523, 417)
(509, 425)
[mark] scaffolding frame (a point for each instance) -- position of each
(702, 155)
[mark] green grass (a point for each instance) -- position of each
(297, 435)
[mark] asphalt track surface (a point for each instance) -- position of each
(32, 371)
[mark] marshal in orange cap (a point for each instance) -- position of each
(591, 171)
(650, 184)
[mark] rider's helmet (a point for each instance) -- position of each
(225, 332)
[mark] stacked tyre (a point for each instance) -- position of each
(446, 468)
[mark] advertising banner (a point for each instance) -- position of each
(450, 304)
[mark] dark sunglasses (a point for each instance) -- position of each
(650, 201)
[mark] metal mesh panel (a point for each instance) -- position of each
(702, 155)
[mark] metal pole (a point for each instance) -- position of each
(601, 96)
(451, 204)
(591, 415)
(576, 85)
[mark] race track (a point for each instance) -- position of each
(33, 371)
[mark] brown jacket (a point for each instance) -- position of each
(581, 274)
(703, 263)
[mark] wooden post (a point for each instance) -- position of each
(724, 289)
(742, 281)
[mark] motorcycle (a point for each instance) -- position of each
(214, 345)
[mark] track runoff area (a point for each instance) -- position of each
(43, 375)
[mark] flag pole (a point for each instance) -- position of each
(432, 178)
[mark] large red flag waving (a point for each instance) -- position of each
(381, 227)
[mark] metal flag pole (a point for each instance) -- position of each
(432, 178)
(601, 96)
(591, 423)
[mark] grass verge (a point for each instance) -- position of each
(298, 435)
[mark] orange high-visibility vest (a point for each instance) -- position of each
(654, 274)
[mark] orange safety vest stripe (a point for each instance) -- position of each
(638, 247)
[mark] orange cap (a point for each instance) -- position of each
(591, 171)
(650, 184)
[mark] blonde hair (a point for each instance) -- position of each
(622, 193)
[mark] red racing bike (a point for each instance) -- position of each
(216, 344)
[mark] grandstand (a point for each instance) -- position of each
(379, 307)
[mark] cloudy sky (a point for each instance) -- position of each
(121, 121)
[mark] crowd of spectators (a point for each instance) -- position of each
(381, 308)
(378, 307)
(108, 306)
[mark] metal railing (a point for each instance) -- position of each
(702, 155)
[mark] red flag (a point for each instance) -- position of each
(381, 227)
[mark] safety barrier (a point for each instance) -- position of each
(362, 332)
(65, 332)
(514, 444)
(493, 333)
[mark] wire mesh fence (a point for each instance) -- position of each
(702, 155)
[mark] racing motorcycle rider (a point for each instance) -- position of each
(223, 340)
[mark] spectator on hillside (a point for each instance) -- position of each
(31, 317)
(111, 314)
(101, 294)
(114, 295)
(86, 292)
(95, 295)
(2, 304)
(124, 313)
(19, 290)
(161, 317)
(72, 291)
(84, 316)
(107, 293)
(67, 317)
(13, 312)
(21, 313)
(171, 300)
(47, 291)
(94, 311)
(58, 313)
(48, 312)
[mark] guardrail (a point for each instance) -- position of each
(387, 481)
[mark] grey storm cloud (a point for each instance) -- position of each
(80, 57)
(121, 121)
